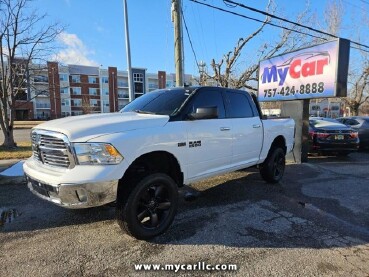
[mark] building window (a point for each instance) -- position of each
(65, 114)
(76, 90)
(76, 113)
(315, 108)
(105, 91)
(63, 77)
(122, 84)
(92, 80)
(93, 91)
(65, 102)
(43, 115)
(42, 105)
(106, 103)
(137, 77)
(93, 103)
(123, 93)
(40, 79)
(153, 86)
(335, 108)
(138, 87)
(64, 91)
(76, 103)
(76, 78)
(105, 80)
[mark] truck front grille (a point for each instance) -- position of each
(51, 148)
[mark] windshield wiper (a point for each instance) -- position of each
(143, 112)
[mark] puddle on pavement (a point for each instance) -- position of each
(7, 216)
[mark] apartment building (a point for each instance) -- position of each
(57, 90)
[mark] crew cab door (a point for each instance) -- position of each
(247, 131)
(209, 140)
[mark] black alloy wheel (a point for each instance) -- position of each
(272, 169)
(150, 207)
(153, 206)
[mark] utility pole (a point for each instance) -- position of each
(128, 52)
(178, 40)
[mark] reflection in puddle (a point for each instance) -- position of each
(8, 216)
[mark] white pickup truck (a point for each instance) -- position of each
(161, 141)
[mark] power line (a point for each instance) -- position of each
(257, 20)
(189, 38)
(274, 25)
(289, 21)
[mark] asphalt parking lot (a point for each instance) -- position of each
(316, 222)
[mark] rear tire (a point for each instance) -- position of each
(150, 208)
(272, 169)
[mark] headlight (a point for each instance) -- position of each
(97, 153)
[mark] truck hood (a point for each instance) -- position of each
(85, 127)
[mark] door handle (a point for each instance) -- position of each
(225, 128)
(256, 126)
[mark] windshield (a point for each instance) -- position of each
(165, 102)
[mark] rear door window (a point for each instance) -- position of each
(352, 122)
(238, 105)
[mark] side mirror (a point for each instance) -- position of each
(204, 113)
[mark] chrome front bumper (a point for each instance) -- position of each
(75, 196)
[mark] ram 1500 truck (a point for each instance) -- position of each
(163, 140)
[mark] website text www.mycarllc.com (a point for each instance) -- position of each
(200, 266)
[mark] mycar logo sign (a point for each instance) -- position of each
(315, 72)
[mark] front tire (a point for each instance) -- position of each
(150, 207)
(272, 169)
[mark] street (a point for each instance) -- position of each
(315, 223)
(20, 135)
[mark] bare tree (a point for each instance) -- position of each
(22, 42)
(358, 79)
(228, 72)
(86, 105)
(358, 92)
(333, 15)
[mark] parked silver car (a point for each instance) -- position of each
(361, 125)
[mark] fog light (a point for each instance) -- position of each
(81, 195)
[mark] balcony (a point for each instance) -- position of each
(41, 79)
(153, 86)
(122, 84)
(123, 96)
(42, 94)
(42, 106)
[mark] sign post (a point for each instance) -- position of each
(319, 71)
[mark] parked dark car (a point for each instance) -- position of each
(331, 136)
(359, 124)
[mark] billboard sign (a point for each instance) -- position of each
(315, 72)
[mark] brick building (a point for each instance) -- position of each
(66, 90)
